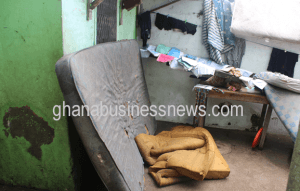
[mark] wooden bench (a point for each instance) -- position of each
(242, 95)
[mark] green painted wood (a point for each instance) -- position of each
(294, 176)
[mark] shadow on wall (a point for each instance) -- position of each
(84, 173)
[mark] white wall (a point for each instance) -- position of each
(172, 87)
(78, 33)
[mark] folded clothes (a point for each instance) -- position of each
(174, 52)
(163, 49)
(190, 61)
(175, 64)
(183, 153)
(186, 65)
(211, 63)
(190, 56)
(152, 49)
(164, 58)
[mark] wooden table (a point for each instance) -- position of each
(242, 95)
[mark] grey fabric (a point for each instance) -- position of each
(110, 73)
(234, 56)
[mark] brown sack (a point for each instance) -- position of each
(183, 152)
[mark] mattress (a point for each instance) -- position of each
(268, 22)
(109, 74)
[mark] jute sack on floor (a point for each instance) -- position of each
(184, 152)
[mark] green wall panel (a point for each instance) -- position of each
(128, 29)
(37, 154)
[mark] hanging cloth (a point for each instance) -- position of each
(283, 62)
(144, 21)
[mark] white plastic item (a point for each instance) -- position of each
(175, 65)
(145, 53)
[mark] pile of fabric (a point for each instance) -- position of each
(181, 61)
(181, 154)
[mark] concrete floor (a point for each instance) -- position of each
(266, 169)
(250, 169)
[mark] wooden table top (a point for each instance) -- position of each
(244, 94)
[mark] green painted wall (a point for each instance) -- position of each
(128, 29)
(30, 45)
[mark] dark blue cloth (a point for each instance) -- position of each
(168, 23)
(144, 21)
(283, 62)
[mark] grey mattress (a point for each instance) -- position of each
(111, 74)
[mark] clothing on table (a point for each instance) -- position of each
(212, 34)
(168, 23)
(234, 56)
(144, 21)
(283, 62)
(164, 58)
(163, 49)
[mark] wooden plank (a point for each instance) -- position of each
(231, 95)
(95, 4)
(201, 119)
(265, 127)
(294, 175)
(162, 6)
(121, 13)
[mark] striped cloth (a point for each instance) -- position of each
(212, 34)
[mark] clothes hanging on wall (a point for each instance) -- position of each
(211, 33)
(283, 62)
(234, 56)
(144, 21)
(224, 15)
(168, 23)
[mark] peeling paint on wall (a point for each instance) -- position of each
(23, 122)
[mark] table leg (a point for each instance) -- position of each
(265, 127)
(262, 116)
(196, 105)
(201, 119)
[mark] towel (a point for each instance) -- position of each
(181, 154)
(174, 52)
(164, 58)
(163, 49)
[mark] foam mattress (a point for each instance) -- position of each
(268, 22)
(109, 74)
